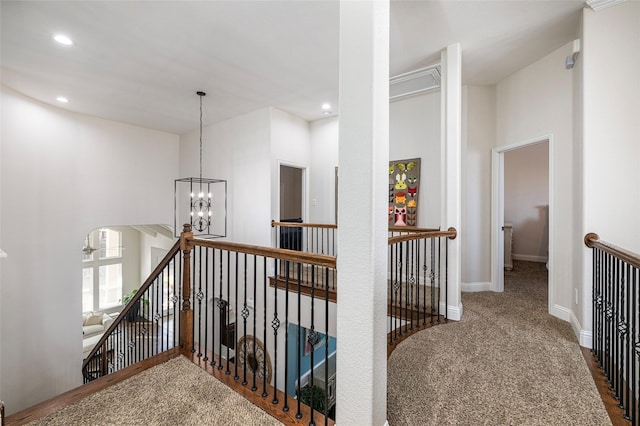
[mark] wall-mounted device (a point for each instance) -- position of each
(570, 61)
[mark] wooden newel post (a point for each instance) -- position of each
(186, 313)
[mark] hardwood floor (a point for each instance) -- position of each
(616, 414)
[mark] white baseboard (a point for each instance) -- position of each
(530, 258)
(561, 312)
(453, 312)
(475, 287)
(585, 338)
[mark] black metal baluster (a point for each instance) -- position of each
(206, 304)
(213, 308)
(620, 332)
(615, 330)
(628, 349)
(389, 279)
(401, 306)
(226, 317)
(245, 315)
(235, 320)
(158, 315)
(264, 325)
(220, 308)
(177, 290)
(285, 407)
(607, 329)
(394, 307)
(424, 293)
(594, 298)
(446, 275)
(326, 351)
(199, 295)
(275, 324)
(600, 349)
(255, 316)
(313, 295)
(635, 331)
(193, 297)
(299, 351)
(416, 271)
(432, 275)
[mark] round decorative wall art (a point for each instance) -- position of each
(251, 353)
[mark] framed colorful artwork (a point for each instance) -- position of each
(404, 183)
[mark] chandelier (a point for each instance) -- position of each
(194, 201)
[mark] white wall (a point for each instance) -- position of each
(611, 132)
(324, 160)
(478, 138)
(63, 174)
(526, 200)
(290, 145)
(532, 103)
(238, 151)
(149, 247)
(414, 132)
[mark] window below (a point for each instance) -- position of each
(102, 274)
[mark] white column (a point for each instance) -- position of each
(362, 245)
(451, 90)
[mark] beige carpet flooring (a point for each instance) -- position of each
(174, 393)
(507, 362)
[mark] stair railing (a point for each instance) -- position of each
(307, 237)
(146, 326)
(616, 316)
(417, 282)
(266, 338)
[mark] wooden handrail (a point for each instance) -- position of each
(411, 229)
(592, 240)
(451, 233)
(303, 225)
(133, 302)
(276, 253)
(333, 226)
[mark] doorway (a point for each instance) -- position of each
(522, 182)
(291, 193)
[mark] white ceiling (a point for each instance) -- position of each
(141, 62)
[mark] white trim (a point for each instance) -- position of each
(561, 312)
(497, 215)
(305, 186)
(475, 287)
(530, 258)
(453, 312)
(585, 338)
(597, 5)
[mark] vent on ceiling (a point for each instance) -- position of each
(597, 5)
(415, 82)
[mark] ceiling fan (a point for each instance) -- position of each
(87, 250)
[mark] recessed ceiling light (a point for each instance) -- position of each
(62, 99)
(326, 106)
(63, 39)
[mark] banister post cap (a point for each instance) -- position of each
(452, 229)
(590, 238)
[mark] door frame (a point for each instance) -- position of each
(304, 192)
(497, 213)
